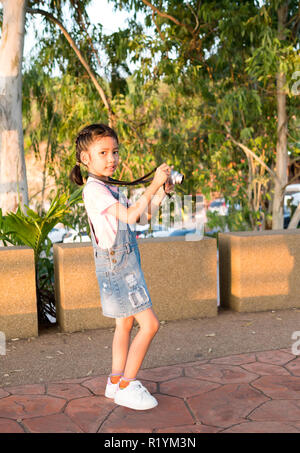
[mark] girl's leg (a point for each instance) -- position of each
(121, 343)
(149, 325)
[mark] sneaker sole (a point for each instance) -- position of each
(131, 406)
(110, 394)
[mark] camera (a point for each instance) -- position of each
(176, 177)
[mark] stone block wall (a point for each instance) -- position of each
(18, 308)
(181, 277)
(260, 270)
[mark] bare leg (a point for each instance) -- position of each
(121, 343)
(149, 325)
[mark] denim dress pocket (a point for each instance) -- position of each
(119, 260)
(102, 272)
(102, 263)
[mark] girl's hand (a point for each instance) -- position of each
(169, 188)
(161, 175)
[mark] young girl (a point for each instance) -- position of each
(123, 290)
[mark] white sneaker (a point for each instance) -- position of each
(111, 389)
(135, 396)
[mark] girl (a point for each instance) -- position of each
(123, 290)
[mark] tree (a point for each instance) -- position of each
(12, 162)
(235, 58)
(13, 181)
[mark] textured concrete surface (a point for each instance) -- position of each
(18, 314)
(173, 260)
(190, 270)
(56, 356)
(260, 270)
(243, 393)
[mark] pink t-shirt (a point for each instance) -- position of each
(97, 199)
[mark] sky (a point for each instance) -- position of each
(99, 11)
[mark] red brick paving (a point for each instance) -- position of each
(253, 392)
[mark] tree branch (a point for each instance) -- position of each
(167, 16)
(297, 175)
(84, 63)
(248, 151)
(195, 16)
(77, 7)
(157, 27)
(294, 160)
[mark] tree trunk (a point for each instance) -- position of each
(13, 181)
(281, 147)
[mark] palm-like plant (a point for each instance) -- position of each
(32, 229)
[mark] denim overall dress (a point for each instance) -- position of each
(123, 290)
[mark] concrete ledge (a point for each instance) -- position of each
(18, 307)
(181, 277)
(259, 270)
(77, 293)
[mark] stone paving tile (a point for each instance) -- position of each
(28, 389)
(73, 381)
(227, 405)
(89, 412)
(9, 426)
(170, 411)
(96, 385)
(238, 359)
(294, 367)
(185, 387)
(275, 357)
(279, 387)
(278, 410)
(67, 391)
(196, 428)
(263, 427)
(3, 393)
(262, 369)
(161, 373)
(57, 423)
(253, 392)
(222, 374)
(25, 406)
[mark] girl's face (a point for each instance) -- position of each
(103, 157)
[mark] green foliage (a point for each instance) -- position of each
(199, 72)
(32, 229)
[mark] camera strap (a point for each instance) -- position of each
(136, 182)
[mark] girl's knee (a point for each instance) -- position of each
(151, 326)
(156, 325)
(124, 323)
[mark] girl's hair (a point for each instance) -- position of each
(84, 139)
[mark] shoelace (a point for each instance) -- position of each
(141, 389)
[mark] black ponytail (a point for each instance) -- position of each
(76, 176)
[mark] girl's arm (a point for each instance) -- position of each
(156, 202)
(133, 213)
(153, 207)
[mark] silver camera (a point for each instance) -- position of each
(176, 177)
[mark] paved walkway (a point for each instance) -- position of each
(250, 392)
